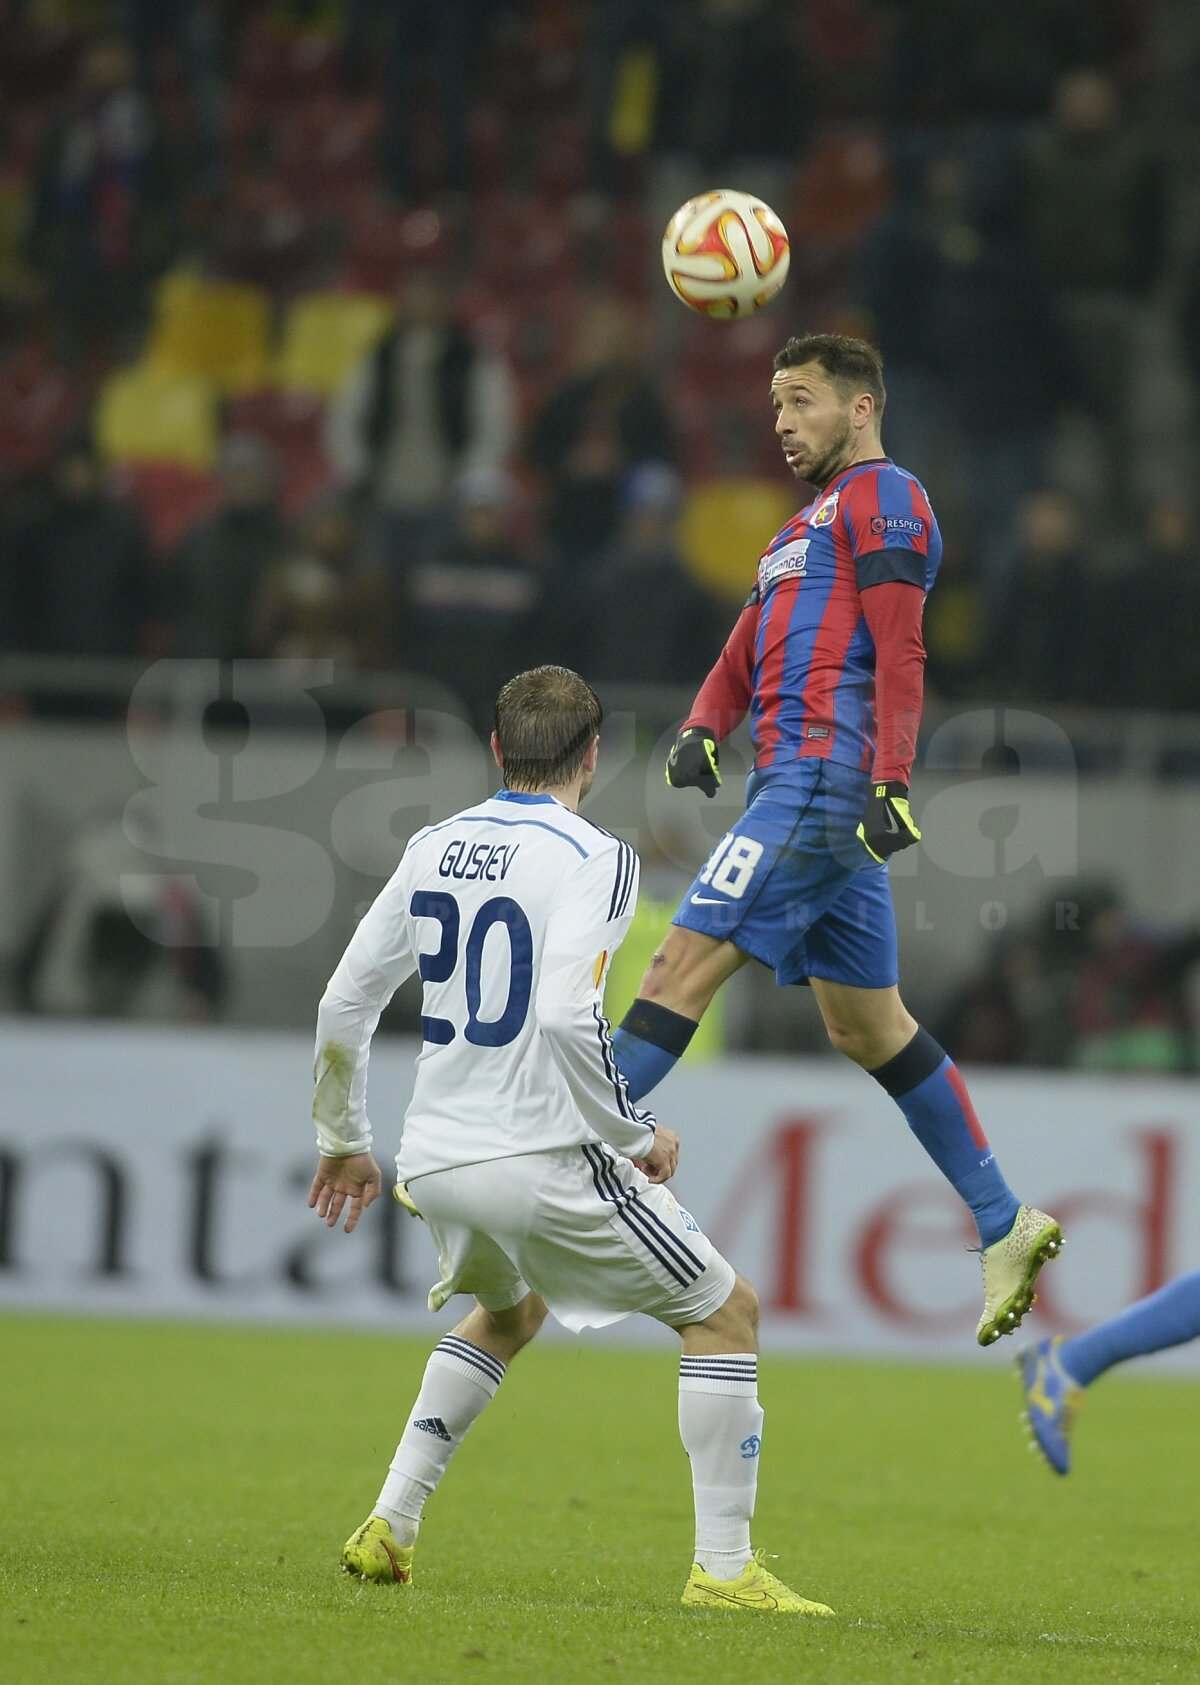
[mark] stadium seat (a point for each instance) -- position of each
(725, 527)
(325, 335)
(488, 139)
(631, 250)
(39, 405)
(843, 186)
(733, 358)
(527, 243)
(169, 496)
(219, 330)
(327, 149)
(24, 130)
(269, 237)
(303, 479)
(147, 414)
(287, 63)
(292, 422)
(383, 243)
(562, 158)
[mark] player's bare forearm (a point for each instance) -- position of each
(347, 1184)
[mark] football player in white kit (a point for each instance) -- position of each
(541, 1183)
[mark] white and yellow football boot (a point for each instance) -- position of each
(1010, 1268)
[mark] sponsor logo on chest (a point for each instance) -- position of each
(783, 564)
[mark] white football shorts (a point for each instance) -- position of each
(581, 1226)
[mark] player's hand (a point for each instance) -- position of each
(693, 760)
(354, 1181)
(887, 825)
(660, 1162)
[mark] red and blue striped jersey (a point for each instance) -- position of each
(813, 677)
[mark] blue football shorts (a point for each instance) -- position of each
(793, 886)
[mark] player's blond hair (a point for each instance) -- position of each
(545, 720)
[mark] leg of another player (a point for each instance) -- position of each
(874, 1029)
(1055, 1372)
(461, 1378)
(687, 970)
(720, 1424)
(1169, 1317)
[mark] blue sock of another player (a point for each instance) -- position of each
(647, 1043)
(1166, 1318)
(925, 1083)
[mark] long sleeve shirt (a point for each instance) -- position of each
(510, 913)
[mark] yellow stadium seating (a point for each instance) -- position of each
(725, 527)
(148, 414)
(325, 335)
(220, 330)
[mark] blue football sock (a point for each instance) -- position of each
(647, 1043)
(1166, 1318)
(926, 1085)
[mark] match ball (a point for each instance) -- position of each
(725, 254)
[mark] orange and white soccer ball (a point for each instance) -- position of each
(725, 253)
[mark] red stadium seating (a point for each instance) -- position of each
(327, 149)
(39, 405)
(169, 496)
(287, 420)
(269, 236)
(292, 66)
(292, 423)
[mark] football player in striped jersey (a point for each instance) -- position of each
(827, 661)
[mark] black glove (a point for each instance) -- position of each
(693, 760)
(887, 825)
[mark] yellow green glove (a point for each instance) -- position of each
(887, 825)
(693, 760)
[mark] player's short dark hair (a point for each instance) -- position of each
(545, 719)
(852, 365)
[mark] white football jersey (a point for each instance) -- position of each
(510, 911)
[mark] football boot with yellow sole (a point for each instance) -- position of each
(755, 1588)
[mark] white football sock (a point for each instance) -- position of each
(460, 1379)
(720, 1423)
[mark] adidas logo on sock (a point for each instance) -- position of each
(433, 1425)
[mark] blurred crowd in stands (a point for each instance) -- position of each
(336, 329)
(1086, 983)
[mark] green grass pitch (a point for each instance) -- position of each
(175, 1499)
